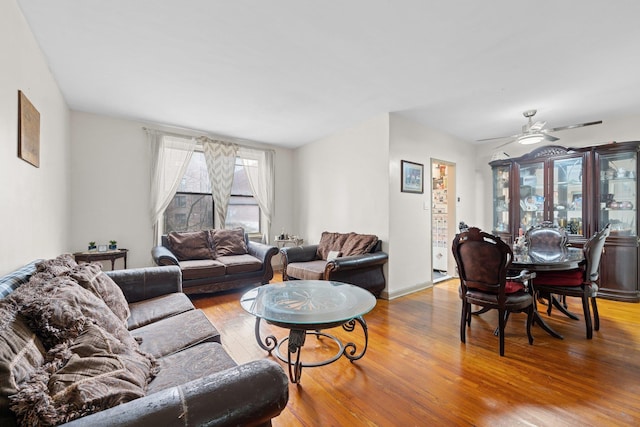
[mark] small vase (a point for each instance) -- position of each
(113, 247)
(91, 248)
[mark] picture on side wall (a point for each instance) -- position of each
(29, 131)
(412, 177)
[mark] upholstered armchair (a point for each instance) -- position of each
(352, 258)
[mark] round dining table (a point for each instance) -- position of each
(551, 259)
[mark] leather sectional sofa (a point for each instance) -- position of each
(79, 346)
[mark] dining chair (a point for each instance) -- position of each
(581, 282)
(483, 261)
(543, 237)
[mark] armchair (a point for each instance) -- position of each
(359, 261)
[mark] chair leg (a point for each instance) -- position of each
(587, 316)
(501, 322)
(463, 321)
(529, 323)
(596, 316)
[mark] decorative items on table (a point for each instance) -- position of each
(113, 245)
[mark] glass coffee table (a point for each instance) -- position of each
(306, 307)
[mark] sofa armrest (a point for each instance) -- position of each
(139, 284)
(357, 261)
(261, 251)
(248, 395)
(163, 256)
(299, 253)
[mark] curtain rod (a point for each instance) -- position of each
(225, 139)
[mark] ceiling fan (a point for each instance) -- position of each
(534, 132)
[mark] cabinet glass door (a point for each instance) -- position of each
(618, 201)
(531, 195)
(567, 195)
(501, 198)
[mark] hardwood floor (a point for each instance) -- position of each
(416, 372)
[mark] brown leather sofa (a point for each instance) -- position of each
(197, 383)
(216, 260)
(352, 258)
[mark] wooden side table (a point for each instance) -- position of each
(91, 256)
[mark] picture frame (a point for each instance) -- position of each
(102, 248)
(28, 131)
(411, 177)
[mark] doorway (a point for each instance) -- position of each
(443, 218)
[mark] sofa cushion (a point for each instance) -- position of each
(201, 269)
(190, 245)
(92, 278)
(175, 333)
(93, 372)
(228, 242)
(359, 244)
(190, 364)
(21, 352)
(240, 263)
(312, 270)
(331, 242)
(154, 309)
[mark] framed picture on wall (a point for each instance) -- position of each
(412, 177)
(29, 131)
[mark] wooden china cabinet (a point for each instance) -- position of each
(581, 190)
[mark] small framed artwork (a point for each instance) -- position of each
(102, 248)
(29, 131)
(412, 177)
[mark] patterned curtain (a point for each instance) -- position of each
(221, 159)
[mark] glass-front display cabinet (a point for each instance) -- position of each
(581, 190)
(501, 201)
(616, 168)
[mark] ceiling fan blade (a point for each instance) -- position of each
(506, 143)
(550, 138)
(497, 137)
(579, 125)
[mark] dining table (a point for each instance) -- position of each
(560, 258)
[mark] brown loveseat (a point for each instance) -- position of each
(126, 347)
(343, 257)
(216, 260)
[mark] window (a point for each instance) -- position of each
(192, 206)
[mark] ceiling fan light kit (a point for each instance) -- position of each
(532, 138)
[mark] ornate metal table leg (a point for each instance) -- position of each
(296, 341)
(270, 341)
(350, 348)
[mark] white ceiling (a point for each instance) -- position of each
(288, 72)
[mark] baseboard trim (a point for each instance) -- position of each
(406, 291)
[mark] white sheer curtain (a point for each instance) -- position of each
(259, 167)
(221, 160)
(170, 158)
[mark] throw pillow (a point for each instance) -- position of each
(190, 245)
(92, 278)
(89, 374)
(333, 255)
(228, 242)
(58, 266)
(358, 244)
(330, 242)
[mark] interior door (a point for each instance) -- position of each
(443, 218)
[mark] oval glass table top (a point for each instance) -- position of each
(308, 302)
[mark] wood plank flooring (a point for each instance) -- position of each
(416, 372)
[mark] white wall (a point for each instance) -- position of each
(111, 161)
(618, 129)
(341, 183)
(410, 266)
(34, 201)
